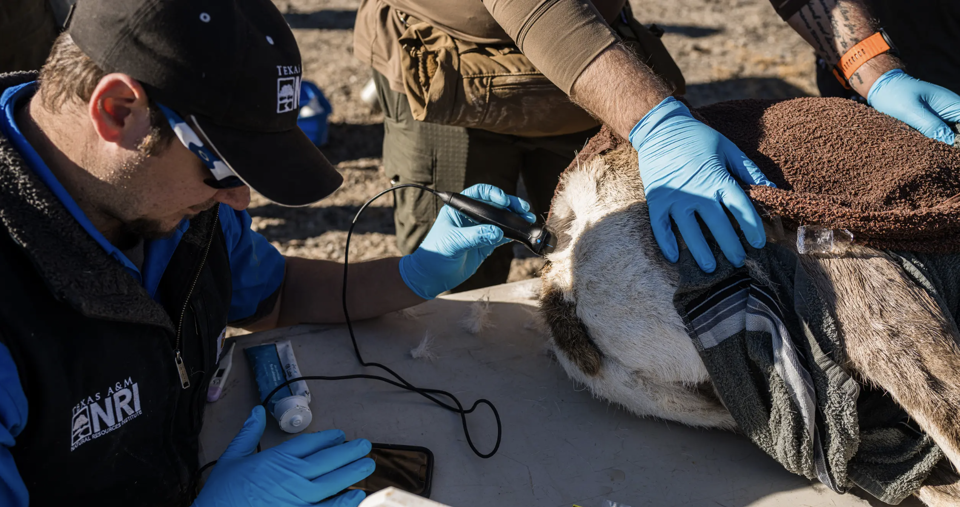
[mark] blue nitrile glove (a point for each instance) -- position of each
(922, 105)
(684, 167)
(456, 245)
(301, 471)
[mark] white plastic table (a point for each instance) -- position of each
(560, 445)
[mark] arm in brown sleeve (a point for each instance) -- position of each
(560, 37)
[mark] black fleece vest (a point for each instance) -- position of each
(108, 420)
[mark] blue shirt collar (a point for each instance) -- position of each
(156, 256)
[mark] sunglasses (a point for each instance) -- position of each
(222, 175)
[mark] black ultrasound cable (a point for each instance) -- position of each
(400, 382)
(403, 384)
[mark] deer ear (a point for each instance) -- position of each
(569, 332)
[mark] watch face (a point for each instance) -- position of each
(886, 38)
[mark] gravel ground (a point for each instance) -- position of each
(728, 49)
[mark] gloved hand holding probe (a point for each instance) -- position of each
(686, 170)
(456, 246)
(306, 470)
(922, 105)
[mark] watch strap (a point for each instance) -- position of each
(860, 54)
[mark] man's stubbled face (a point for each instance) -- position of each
(149, 192)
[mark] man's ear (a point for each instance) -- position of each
(120, 111)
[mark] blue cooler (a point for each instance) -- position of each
(314, 111)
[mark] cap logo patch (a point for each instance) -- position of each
(288, 88)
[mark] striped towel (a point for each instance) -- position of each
(772, 350)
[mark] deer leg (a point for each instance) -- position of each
(896, 336)
(942, 488)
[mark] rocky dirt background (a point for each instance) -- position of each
(727, 49)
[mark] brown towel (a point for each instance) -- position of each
(841, 165)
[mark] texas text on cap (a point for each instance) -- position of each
(232, 66)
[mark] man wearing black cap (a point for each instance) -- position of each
(125, 251)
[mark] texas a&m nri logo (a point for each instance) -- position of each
(288, 88)
(106, 410)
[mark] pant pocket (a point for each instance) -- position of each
(407, 160)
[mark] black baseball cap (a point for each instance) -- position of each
(231, 65)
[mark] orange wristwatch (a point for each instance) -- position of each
(874, 45)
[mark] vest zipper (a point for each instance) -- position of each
(181, 368)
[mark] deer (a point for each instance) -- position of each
(607, 295)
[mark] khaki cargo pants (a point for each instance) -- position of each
(454, 158)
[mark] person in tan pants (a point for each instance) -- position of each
(453, 157)
(692, 175)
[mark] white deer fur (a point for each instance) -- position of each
(653, 371)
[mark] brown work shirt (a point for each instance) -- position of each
(560, 37)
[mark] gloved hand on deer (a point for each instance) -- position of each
(922, 105)
(688, 170)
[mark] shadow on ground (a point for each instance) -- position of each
(349, 141)
(702, 94)
(694, 32)
(309, 222)
(326, 19)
